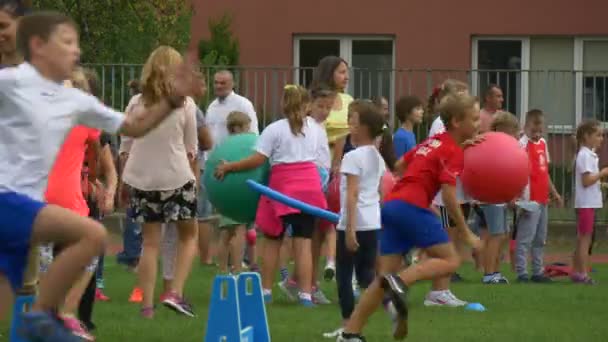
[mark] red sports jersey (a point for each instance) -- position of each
(539, 169)
(436, 161)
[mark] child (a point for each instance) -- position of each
(232, 233)
(291, 145)
(588, 195)
(496, 214)
(409, 111)
(48, 41)
(160, 172)
(361, 171)
(408, 222)
(532, 219)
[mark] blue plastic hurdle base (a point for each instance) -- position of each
(22, 304)
(237, 312)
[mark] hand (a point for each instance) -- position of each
(472, 142)
(471, 239)
(604, 172)
(351, 241)
(221, 170)
(187, 80)
(559, 200)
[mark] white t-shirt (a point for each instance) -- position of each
(366, 163)
(280, 146)
(437, 127)
(36, 114)
(323, 155)
(591, 196)
(218, 111)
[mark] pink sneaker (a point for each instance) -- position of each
(100, 296)
(147, 313)
(178, 304)
(77, 328)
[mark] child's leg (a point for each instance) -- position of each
(85, 238)
(85, 308)
(366, 256)
(270, 260)
(99, 280)
(285, 257)
(317, 243)
(527, 224)
(330, 245)
(6, 293)
(72, 300)
(252, 250)
(303, 228)
(148, 266)
(186, 251)
(237, 247)
(538, 243)
(585, 227)
(206, 237)
(168, 251)
(30, 278)
(496, 220)
(345, 263)
(222, 253)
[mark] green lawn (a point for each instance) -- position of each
(556, 312)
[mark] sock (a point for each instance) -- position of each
(284, 273)
(433, 294)
(330, 263)
(305, 296)
(267, 292)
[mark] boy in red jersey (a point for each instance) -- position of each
(533, 214)
(408, 221)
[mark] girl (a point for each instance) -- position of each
(588, 195)
(409, 111)
(359, 224)
(232, 233)
(159, 171)
(291, 145)
(332, 71)
(323, 98)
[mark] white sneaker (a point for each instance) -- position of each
(443, 298)
(290, 290)
(334, 334)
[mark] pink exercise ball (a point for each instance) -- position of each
(496, 170)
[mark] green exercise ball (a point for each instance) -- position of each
(231, 196)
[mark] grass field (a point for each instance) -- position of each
(554, 312)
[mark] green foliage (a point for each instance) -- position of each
(222, 48)
(125, 31)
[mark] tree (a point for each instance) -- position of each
(222, 48)
(125, 31)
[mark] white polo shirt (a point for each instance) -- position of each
(218, 111)
(36, 114)
(587, 161)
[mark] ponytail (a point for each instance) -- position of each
(295, 102)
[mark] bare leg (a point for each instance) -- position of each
(222, 253)
(186, 251)
(492, 253)
(206, 244)
(270, 261)
(6, 293)
(148, 262)
(581, 254)
(72, 301)
(237, 245)
(330, 243)
(303, 254)
(317, 242)
(85, 238)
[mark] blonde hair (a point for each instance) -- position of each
(504, 121)
(79, 79)
(236, 120)
(455, 106)
(156, 74)
(295, 102)
(449, 86)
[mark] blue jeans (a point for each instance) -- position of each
(131, 239)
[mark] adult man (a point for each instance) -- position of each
(492, 103)
(226, 101)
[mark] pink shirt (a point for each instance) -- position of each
(486, 120)
(64, 186)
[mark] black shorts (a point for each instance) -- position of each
(302, 226)
(447, 221)
(165, 206)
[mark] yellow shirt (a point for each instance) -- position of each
(336, 124)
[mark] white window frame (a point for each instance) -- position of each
(579, 51)
(346, 45)
(525, 67)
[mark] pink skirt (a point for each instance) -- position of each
(300, 181)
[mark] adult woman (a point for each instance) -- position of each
(160, 172)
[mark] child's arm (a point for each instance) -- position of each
(252, 162)
(591, 178)
(556, 196)
(108, 169)
(448, 192)
(352, 194)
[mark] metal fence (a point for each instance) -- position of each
(566, 96)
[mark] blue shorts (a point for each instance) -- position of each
(405, 226)
(17, 215)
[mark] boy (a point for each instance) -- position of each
(532, 219)
(495, 215)
(408, 222)
(34, 104)
(409, 111)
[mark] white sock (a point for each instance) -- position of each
(438, 293)
(305, 296)
(267, 292)
(330, 263)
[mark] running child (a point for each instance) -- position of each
(532, 219)
(495, 215)
(408, 222)
(232, 233)
(588, 195)
(409, 112)
(358, 229)
(34, 104)
(291, 145)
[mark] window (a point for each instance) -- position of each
(371, 60)
(499, 61)
(595, 75)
